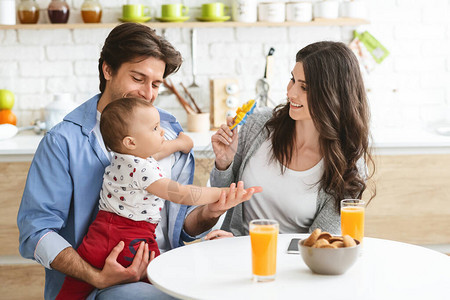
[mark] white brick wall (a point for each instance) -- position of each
(45, 68)
(35, 64)
(44, 37)
(8, 69)
(216, 35)
(10, 37)
(86, 68)
(72, 52)
(88, 36)
(18, 52)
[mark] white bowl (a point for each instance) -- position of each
(329, 261)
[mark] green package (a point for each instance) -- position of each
(375, 48)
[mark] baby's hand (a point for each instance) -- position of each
(185, 142)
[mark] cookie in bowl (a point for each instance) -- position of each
(329, 255)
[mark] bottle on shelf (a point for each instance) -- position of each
(58, 11)
(91, 11)
(28, 12)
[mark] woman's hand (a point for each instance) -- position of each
(225, 143)
(217, 234)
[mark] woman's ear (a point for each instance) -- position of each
(129, 143)
(107, 72)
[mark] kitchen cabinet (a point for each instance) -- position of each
(316, 22)
(15, 272)
(22, 281)
(12, 183)
(412, 202)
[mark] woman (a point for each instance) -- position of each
(307, 154)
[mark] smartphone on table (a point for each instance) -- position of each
(293, 246)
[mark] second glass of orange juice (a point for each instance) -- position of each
(263, 236)
(352, 218)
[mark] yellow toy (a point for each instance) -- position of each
(243, 112)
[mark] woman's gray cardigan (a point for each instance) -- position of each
(251, 136)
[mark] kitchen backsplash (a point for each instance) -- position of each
(409, 88)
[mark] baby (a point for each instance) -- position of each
(133, 187)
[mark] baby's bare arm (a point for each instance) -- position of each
(184, 194)
(182, 143)
(185, 143)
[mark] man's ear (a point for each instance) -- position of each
(107, 72)
(129, 143)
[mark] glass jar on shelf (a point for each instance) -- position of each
(58, 11)
(28, 12)
(91, 11)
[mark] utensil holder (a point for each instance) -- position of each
(198, 122)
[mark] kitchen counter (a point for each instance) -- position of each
(19, 148)
(404, 141)
(393, 141)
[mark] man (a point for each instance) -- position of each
(61, 195)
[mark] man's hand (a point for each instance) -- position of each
(114, 273)
(233, 198)
(217, 234)
(144, 273)
(69, 262)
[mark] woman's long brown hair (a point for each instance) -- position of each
(338, 106)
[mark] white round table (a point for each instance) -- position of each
(221, 269)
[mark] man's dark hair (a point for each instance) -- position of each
(130, 42)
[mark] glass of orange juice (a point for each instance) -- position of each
(263, 236)
(352, 218)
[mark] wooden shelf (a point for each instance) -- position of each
(316, 22)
